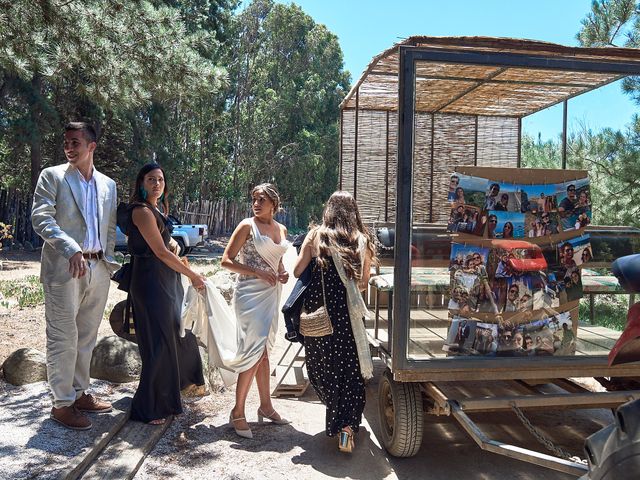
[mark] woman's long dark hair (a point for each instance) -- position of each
(341, 228)
(136, 195)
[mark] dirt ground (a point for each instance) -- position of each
(200, 445)
(25, 327)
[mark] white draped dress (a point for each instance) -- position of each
(236, 336)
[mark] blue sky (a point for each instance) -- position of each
(367, 27)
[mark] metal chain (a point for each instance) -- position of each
(544, 440)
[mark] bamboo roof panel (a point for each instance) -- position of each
(454, 70)
(433, 94)
(379, 83)
(514, 100)
(570, 77)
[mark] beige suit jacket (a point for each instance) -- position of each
(57, 216)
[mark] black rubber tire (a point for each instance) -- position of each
(401, 416)
(181, 247)
(614, 451)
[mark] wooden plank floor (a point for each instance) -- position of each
(429, 327)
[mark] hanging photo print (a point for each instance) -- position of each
(469, 191)
(569, 283)
(503, 197)
(581, 248)
(460, 336)
(574, 204)
(505, 224)
(538, 198)
(485, 341)
(464, 219)
(469, 281)
(466, 196)
(541, 224)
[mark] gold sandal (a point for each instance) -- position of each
(345, 441)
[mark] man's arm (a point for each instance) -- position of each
(111, 233)
(43, 218)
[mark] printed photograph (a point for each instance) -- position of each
(464, 219)
(469, 191)
(538, 338)
(485, 341)
(575, 251)
(492, 195)
(505, 224)
(564, 338)
(460, 336)
(554, 291)
(454, 183)
(539, 198)
(510, 340)
(542, 224)
(469, 280)
(574, 204)
(568, 284)
(507, 198)
(467, 257)
(520, 291)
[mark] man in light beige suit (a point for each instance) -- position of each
(74, 211)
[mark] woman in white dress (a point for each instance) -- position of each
(255, 252)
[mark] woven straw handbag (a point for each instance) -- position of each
(317, 323)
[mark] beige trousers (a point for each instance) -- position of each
(73, 312)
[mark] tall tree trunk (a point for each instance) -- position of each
(35, 139)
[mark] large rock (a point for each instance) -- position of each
(116, 360)
(26, 365)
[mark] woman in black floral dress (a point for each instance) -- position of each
(336, 363)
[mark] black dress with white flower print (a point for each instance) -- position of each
(332, 360)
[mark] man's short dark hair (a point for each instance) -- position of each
(571, 187)
(494, 185)
(86, 128)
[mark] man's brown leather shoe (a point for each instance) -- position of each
(71, 418)
(89, 403)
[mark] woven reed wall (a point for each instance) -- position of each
(372, 147)
(455, 137)
(455, 143)
(347, 150)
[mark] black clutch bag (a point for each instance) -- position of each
(122, 277)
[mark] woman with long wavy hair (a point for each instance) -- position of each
(340, 251)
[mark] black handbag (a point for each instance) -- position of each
(122, 276)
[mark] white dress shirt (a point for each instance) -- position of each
(90, 198)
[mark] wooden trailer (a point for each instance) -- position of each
(421, 108)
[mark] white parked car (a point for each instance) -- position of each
(187, 236)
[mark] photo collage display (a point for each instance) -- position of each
(549, 336)
(508, 275)
(482, 207)
(515, 276)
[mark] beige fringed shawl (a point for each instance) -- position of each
(357, 310)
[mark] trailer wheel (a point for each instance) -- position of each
(401, 416)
